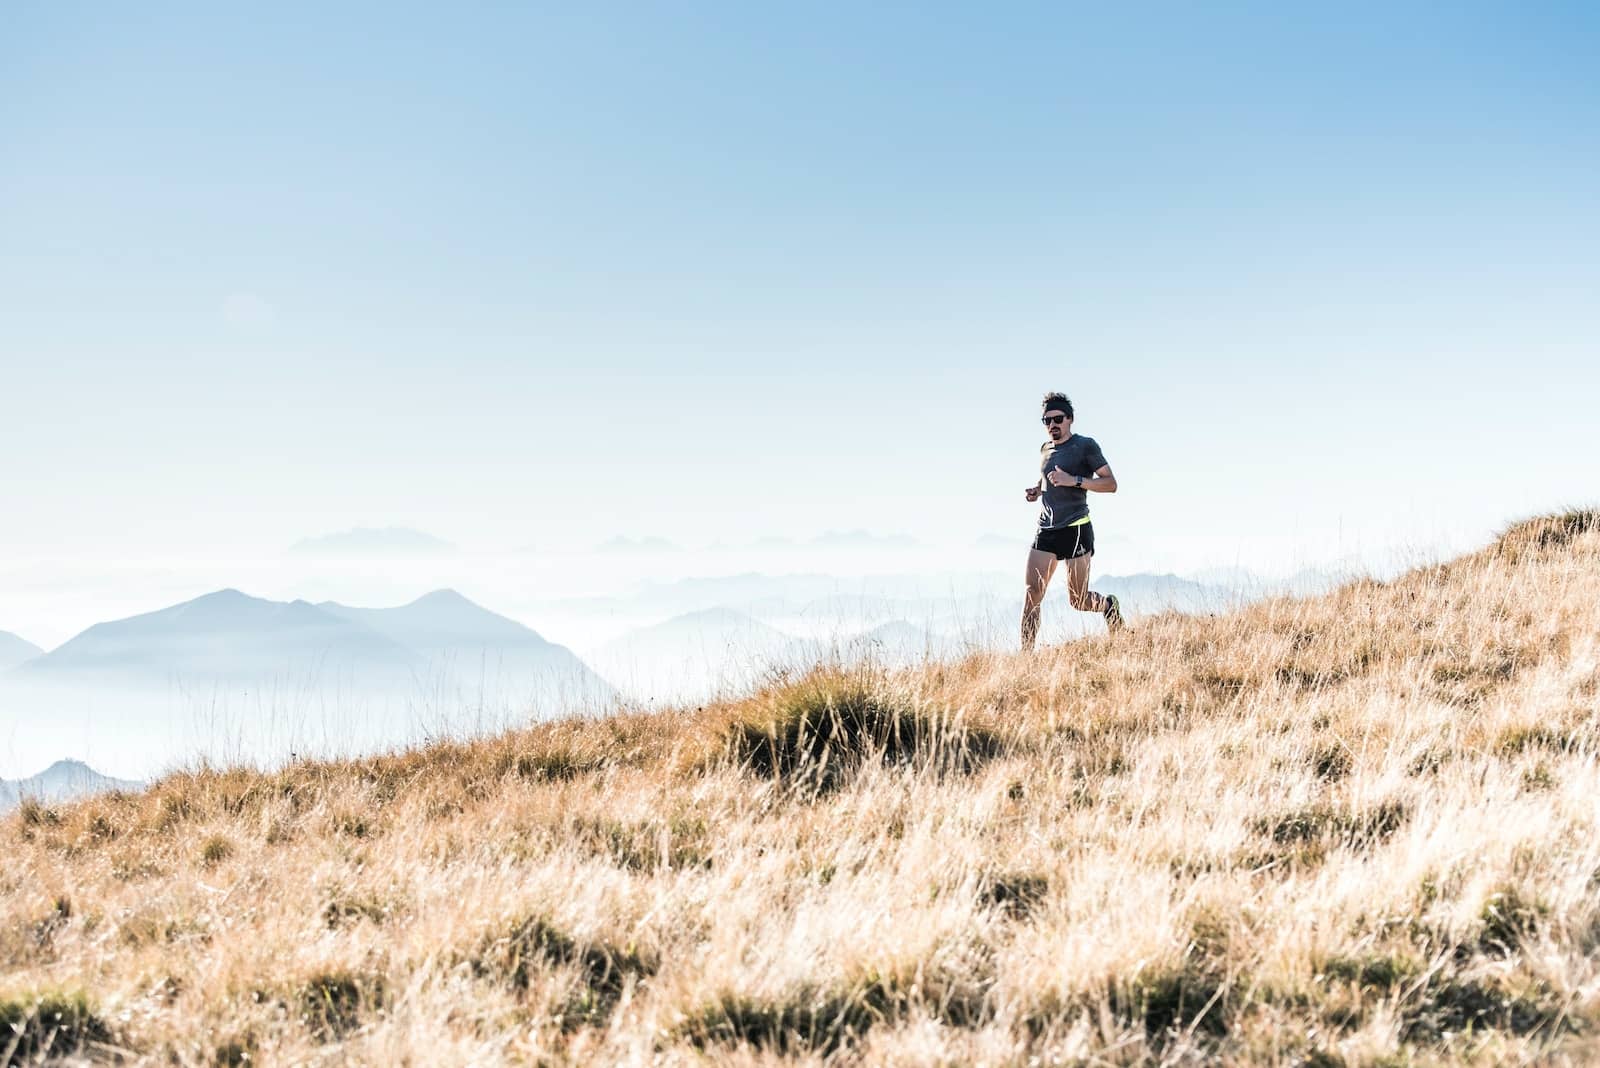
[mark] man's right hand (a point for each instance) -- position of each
(1032, 492)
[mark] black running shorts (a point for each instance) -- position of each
(1066, 543)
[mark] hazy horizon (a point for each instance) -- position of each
(47, 600)
(232, 692)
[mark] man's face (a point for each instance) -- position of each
(1057, 424)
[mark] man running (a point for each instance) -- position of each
(1071, 467)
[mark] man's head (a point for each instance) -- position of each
(1057, 416)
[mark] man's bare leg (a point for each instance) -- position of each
(1041, 565)
(1078, 592)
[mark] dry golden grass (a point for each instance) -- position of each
(1356, 829)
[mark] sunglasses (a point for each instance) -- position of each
(1052, 420)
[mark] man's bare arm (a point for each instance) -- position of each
(1102, 482)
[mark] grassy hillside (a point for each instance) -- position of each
(1356, 829)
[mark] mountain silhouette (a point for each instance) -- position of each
(229, 675)
(441, 640)
(699, 652)
(64, 780)
(898, 642)
(441, 619)
(222, 635)
(448, 631)
(14, 650)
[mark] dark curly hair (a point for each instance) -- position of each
(1058, 402)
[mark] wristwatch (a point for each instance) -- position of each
(1080, 482)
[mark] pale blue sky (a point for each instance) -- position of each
(716, 271)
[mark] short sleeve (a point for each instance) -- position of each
(1094, 456)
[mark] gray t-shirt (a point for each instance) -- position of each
(1060, 506)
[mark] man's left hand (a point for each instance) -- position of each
(1059, 477)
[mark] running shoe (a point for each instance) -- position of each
(1113, 613)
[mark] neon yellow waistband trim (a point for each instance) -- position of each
(1078, 522)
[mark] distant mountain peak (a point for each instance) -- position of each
(222, 603)
(67, 765)
(231, 604)
(442, 617)
(444, 596)
(15, 650)
(62, 781)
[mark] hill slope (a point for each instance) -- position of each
(1353, 829)
(699, 653)
(15, 650)
(447, 631)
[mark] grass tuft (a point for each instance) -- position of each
(48, 1026)
(556, 765)
(1548, 532)
(33, 815)
(239, 1052)
(670, 845)
(1510, 919)
(215, 850)
(815, 732)
(1323, 823)
(1332, 763)
(532, 945)
(343, 911)
(1517, 740)
(173, 809)
(331, 1003)
(1190, 997)
(1452, 1004)
(1376, 971)
(1015, 894)
(812, 1019)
